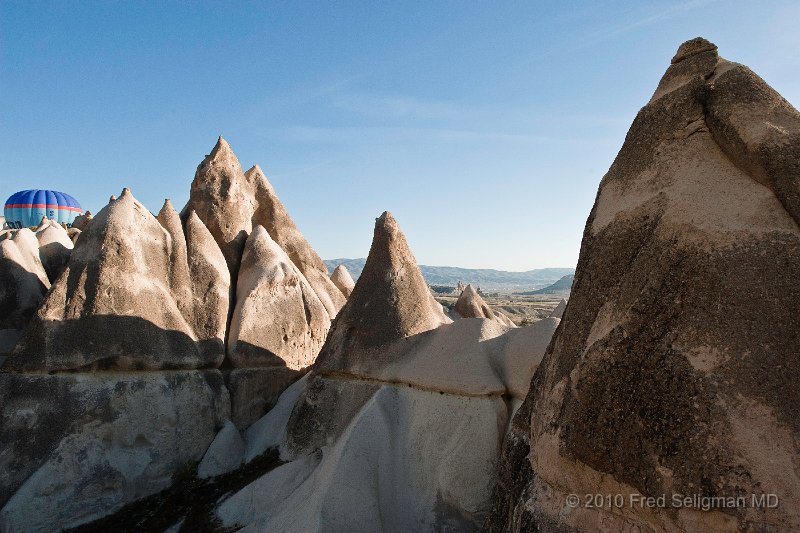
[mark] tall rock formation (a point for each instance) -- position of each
(23, 284)
(55, 246)
(343, 280)
(391, 301)
(674, 369)
(231, 202)
(470, 304)
(118, 303)
(399, 422)
(278, 320)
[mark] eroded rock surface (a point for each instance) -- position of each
(278, 320)
(674, 369)
(117, 305)
(343, 280)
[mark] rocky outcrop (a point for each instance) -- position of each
(55, 247)
(278, 320)
(23, 283)
(470, 304)
(276, 220)
(343, 280)
(558, 312)
(224, 199)
(121, 304)
(82, 220)
(231, 203)
(399, 423)
(255, 391)
(391, 301)
(79, 446)
(674, 369)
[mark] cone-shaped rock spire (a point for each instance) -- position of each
(278, 318)
(114, 306)
(276, 220)
(343, 280)
(390, 301)
(672, 374)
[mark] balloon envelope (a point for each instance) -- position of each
(26, 208)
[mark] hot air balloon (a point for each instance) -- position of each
(26, 208)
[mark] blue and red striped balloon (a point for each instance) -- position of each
(26, 208)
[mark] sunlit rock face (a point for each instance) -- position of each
(675, 366)
(231, 203)
(278, 320)
(133, 296)
(399, 423)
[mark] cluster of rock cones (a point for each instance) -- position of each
(214, 335)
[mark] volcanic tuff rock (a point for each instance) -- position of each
(391, 301)
(675, 368)
(276, 220)
(558, 312)
(23, 283)
(54, 247)
(82, 220)
(343, 280)
(231, 203)
(470, 304)
(116, 306)
(78, 446)
(278, 318)
(400, 427)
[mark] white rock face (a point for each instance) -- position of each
(270, 430)
(408, 461)
(343, 280)
(130, 309)
(558, 312)
(23, 284)
(76, 447)
(225, 453)
(278, 319)
(55, 246)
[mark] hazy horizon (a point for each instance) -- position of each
(484, 128)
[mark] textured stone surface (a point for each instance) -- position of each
(231, 203)
(391, 301)
(225, 453)
(674, 369)
(74, 447)
(278, 320)
(55, 247)
(116, 306)
(23, 280)
(343, 280)
(254, 391)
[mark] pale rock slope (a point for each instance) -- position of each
(400, 422)
(278, 320)
(55, 247)
(273, 216)
(82, 220)
(558, 312)
(23, 284)
(231, 203)
(675, 368)
(470, 304)
(343, 280)
(117, 305)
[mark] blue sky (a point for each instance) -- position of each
(485, 127)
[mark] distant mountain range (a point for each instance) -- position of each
(562, 285)
(485, 278)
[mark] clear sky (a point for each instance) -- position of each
(485, 127)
